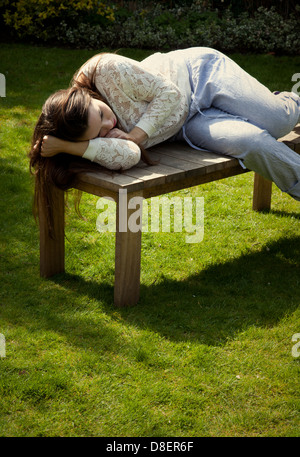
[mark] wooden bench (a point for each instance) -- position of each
(179, 167)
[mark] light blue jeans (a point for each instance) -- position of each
(232, 113)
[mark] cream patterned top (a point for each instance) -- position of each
(153, 95)
(113, 153)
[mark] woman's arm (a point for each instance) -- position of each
(111, 153)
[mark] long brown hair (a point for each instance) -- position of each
(64, 115)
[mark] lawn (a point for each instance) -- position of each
(207, 351)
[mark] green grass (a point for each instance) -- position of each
(207, 350)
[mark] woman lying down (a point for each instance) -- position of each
(117, 107)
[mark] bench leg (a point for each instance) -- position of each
(127, 254)
(52, 250)
(262, 192)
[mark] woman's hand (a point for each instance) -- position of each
(117, 133)
(136, 135)
(52, 146)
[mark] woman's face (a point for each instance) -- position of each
(101, 120)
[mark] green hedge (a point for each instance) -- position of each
(93, 24)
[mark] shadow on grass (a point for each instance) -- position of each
(211, 307)
(17, 188)
(284, 214)
(257, 289)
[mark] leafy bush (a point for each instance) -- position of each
(93, 24)
(39, 18)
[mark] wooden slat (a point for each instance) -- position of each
(147, 176)
(157, 175)
(294, 135)
(199, 165)
(112, 182)
(180, 163)
(192, 181)
(96, 190)
(185, 152)
(292, 139)
(161, 169)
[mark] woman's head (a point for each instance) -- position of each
(74, 114)
(65, 113)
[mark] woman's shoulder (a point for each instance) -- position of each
(117, 59)
(105, 61)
